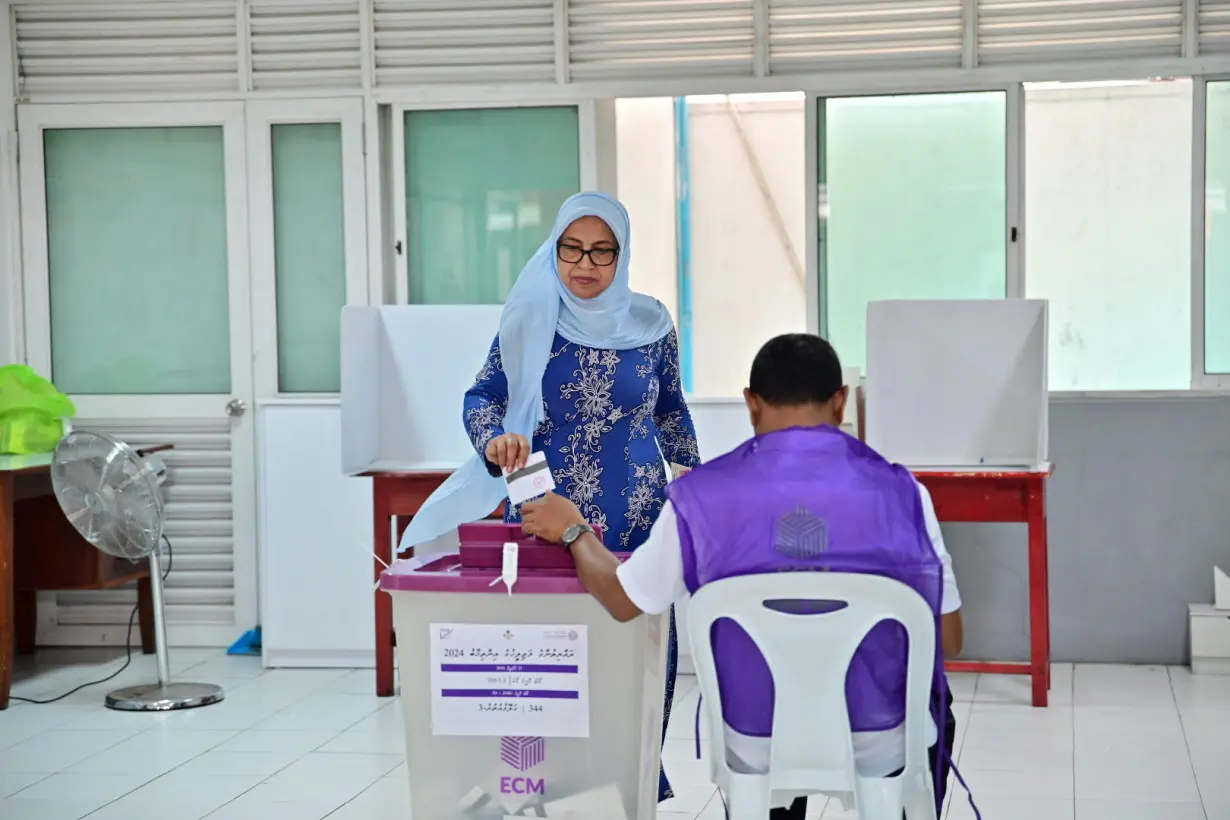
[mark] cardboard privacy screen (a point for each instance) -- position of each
(958, 384)
(405, 371)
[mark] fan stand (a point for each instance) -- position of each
(163, 696)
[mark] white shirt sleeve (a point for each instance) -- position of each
(652, 577)
(951, 601)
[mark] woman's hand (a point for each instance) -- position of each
(508, 452)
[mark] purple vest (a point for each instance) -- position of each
(806, 499)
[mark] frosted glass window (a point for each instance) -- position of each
(748, 280)
(1217, 230)
(1108, 231)
(137, 250)
(310, 255)
(482, 190)
(913, 205)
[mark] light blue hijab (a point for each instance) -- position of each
(538, 306)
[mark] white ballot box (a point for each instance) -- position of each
(534, 703)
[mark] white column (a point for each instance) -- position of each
(12, 347)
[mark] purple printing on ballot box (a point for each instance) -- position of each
(523, 753)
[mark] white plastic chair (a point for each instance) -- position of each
(811, 747)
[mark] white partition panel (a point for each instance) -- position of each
(958, 384)
(405, 371)
(316, 532)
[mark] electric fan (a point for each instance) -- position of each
(111, 494)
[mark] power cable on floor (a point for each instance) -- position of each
(127, 645)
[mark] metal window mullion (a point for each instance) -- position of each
(243, 45)
(969, 33)
(1014, 211)
(367, 44)
(562, 44)
(1191, 28)
(1200, 378)
(760, 37)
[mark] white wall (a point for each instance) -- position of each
(10, 231)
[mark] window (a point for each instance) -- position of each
(482, 190)
(309, 255)
(136, 222)
(912, 205)
(1217, 230)
(748, 267)
(1108, 231)
(720, 174)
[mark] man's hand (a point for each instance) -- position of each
(549, 517)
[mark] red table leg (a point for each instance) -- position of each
(382, 544)
(1039, 599)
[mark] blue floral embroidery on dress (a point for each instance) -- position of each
(609, 418)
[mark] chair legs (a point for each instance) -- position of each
(747, 798)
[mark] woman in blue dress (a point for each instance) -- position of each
(585, 371)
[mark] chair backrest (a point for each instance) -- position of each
(808, 656)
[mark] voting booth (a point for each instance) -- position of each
(529, 702)
(958, 384)
(405, 371)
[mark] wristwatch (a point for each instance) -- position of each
(574, 532)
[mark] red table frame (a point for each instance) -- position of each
(396, 498)
(998, 497)
(993, 497)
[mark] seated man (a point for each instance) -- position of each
(873, 517)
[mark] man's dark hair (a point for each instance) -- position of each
(796, 369)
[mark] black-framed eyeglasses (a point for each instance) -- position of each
(600, 257)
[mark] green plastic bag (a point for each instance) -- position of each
(32, 412)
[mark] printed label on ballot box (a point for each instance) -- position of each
(509, 680)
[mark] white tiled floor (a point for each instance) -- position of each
(1117, 743)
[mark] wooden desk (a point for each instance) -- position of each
(396, 497)
(40, 550)
(981, 497)
(996, 497)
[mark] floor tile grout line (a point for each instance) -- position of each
(1072, 728)
(313, 750)
(1186, 744)
(361, 793)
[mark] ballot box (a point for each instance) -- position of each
(532, 702)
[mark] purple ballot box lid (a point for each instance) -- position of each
(446, 573)
(482, 547)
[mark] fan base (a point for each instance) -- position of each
(164, 697)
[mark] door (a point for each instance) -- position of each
(307, 188)
(135, 247)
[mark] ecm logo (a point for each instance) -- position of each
(523, 754)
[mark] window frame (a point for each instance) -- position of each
(261, 117)
(1202, 380)
(1014, 171)
(594, 145)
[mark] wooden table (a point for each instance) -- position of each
(396, 498)
(984, 497)
(999, 497)
(40, 550)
